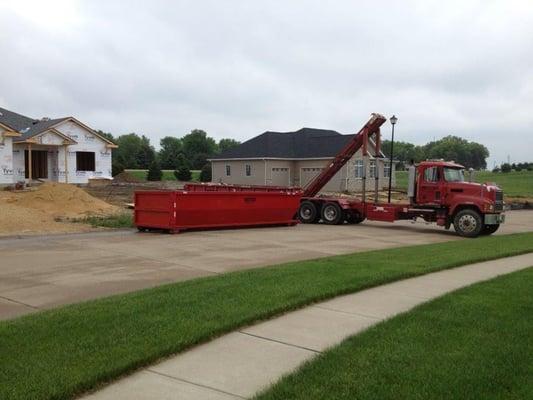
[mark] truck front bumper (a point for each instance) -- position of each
(494, 219)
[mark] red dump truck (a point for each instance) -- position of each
(437, 192)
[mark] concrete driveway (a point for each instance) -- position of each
(44, 272)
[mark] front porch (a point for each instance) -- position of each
(40, 162)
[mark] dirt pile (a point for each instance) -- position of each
(20, 220)
(44, 208)
(61, 201)
(125, 177)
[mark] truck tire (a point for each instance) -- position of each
(489, 229)
(332, 214)
(307, 213)
(468, 223)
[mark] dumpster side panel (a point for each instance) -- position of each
(155, 209)
(232, 209)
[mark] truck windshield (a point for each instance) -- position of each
(454, 174)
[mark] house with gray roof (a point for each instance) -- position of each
(57, 150)
(295, 158)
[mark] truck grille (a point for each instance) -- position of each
(498, 204)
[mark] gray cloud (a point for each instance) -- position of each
(237, 68)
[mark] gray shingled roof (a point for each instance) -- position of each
(304, 143)
(27, 126)
(15, 121)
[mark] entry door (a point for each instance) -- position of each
(39, 164)
(429, 191)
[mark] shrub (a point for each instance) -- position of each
(506, 167)
(154, 172)
(116, 168)
(205, 173)
(183, 173)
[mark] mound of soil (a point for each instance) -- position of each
(44, 209)
(62, 201)
(125, 177)
(21, 220)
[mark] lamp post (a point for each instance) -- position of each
(393, 121)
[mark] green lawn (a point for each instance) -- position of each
(168, 174)
(476, 343)
(515, 184)
(59, 353)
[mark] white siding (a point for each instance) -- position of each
(86, 142)
(6, 159)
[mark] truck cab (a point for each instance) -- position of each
(472, 208)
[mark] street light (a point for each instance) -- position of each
(393, 121)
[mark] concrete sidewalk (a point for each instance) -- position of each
(239, 364)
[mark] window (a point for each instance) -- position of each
(85, 161)
(454, 175)
(386, 169)
(280, 169)
(372, 172)
(431, 174)
(228, 170)
(358, 168)
(248, 169)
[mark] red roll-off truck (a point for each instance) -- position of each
(437, 191)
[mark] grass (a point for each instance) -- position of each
(514, 184)
(168, 174)
(121, 220)
(476, 343)
(60, 353)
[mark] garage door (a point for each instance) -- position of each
(280, 177)
(308, 174)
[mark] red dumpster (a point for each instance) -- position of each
(215, 206)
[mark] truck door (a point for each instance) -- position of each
(429, 191)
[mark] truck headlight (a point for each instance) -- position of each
(489, 207)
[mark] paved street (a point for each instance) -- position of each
(44, 272)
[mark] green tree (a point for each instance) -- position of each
(146, 154)
(506, 167)
(134, 151)
(404, 152)
(469, 154)
(106, 135)
(171, 148)
(154, 171)
(197, 147)
(183, 174)
(182, 170)
(205, 173)
(226, 144)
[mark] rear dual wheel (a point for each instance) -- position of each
(332, 214)
(308, 213)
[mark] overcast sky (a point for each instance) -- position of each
(239, 68)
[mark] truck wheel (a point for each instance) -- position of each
(307, 213)
(489, 229)
(468, 223)
(332, 214)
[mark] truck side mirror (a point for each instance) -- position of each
(470, 174)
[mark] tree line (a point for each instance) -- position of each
(522, 166)
(181, 154)
(450, 148)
